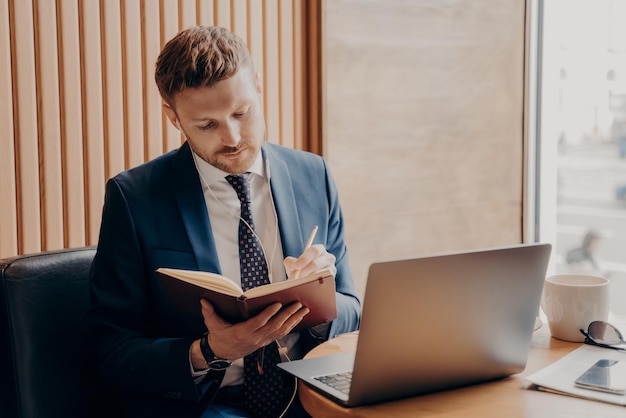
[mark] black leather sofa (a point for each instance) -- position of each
(44, 299)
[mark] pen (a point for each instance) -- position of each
(311, 237)
(308, 245)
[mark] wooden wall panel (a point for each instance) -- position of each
(133, 83)
(299, 74)
(169, 27)
(49, 111)
(255, 35)
(239, 18)
(29, 190)
(93, 111)
(188, 12)
(73, 164)
(424, 124)
(205, 12)
(79, 103)
(8, 185)
(313, 70)
(286, 71)
(271, 72)
(155, 145)
(222, 13)
(113, 94)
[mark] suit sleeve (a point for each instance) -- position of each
(348, 303)
(127, 350)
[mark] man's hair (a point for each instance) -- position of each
(199, 56)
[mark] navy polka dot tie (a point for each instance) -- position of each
(265, 392)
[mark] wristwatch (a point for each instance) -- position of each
(213, 362)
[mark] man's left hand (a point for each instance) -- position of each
(313, 259)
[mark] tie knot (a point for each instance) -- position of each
(241, 184)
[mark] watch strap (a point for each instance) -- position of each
(213, 362)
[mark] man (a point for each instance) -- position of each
(181, 210)
(584, 258)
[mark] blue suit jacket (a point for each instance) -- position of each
(155, 216)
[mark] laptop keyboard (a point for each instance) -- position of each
(338, 381)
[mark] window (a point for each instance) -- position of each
(581, 137)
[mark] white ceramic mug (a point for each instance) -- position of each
(572, 301)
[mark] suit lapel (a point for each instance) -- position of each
(286, 208)
(192, 206)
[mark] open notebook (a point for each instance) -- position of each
(435, 323)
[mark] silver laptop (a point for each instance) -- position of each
(436, 323)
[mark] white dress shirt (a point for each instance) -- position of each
(224, 210)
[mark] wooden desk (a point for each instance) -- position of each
(501, 398)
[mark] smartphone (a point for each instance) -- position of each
(605, 376)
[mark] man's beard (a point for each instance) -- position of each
(233, 166)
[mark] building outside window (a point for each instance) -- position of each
(581, 138)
